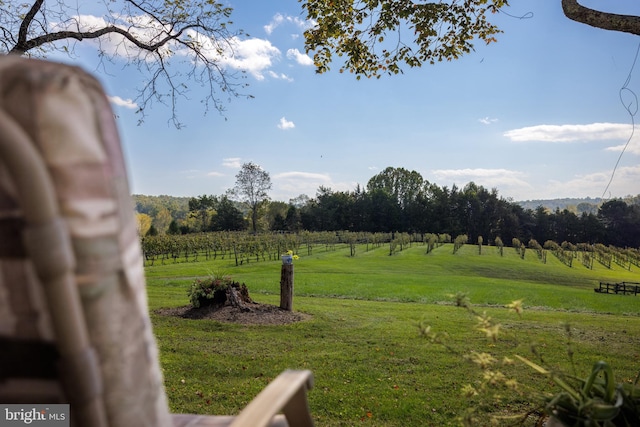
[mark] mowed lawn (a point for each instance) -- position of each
(371, 366)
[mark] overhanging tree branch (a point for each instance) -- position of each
(603, 20)
(180, 46)
(21, 48)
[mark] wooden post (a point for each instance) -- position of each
(286, 287)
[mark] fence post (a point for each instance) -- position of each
(286, 287)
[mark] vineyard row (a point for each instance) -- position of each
(244, 247)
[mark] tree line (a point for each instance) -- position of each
(398, 200)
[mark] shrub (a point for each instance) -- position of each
(214, 290)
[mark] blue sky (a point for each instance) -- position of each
(537, 115)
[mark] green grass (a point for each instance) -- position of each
(369, 363)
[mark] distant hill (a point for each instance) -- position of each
(575, 205)
(572, 204)
(151, 205)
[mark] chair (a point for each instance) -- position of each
(74, 323)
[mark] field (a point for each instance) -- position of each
(370, 364)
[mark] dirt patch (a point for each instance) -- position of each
(251, 314)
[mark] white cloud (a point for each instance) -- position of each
(280, 76)
(214, 173)
(299, 57)
(232, 162)
(505, 180)
(522, 186)
(253, 55)
(285, 124)
(291, 184)
(632, 148)
(487, 120)
(303, 176)
(475, 173)
(279, 19)
(143, 27)
(126, 103)
(191, 173)
(570, 133)
(625, 182)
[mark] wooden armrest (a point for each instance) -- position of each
(287, 394)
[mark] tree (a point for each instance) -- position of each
(252, 185)
(143, 224)
(292, 221)
(275, 214)
(621, 223)
(227, 217)
(372, 34)
(173, 228)
(400, 183)
(162, 220)
(202, 208)
(157, 37)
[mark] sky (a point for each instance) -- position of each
(543, 113)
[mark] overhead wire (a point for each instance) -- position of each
(632, 109)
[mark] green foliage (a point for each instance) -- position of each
(372, 35)
(461, 299)
(173, 228)
(205, 291)
(399, 183)
(152, 231)
(459, 241)
(252, 186)
(597, 400)
(431, 240)
(500, 245)
(591, 402)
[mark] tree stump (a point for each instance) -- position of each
(234, 294)
(286, 287)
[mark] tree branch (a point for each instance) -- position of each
(21, 48)
(24, 26)
(603, 20)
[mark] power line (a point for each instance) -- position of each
(632, 109)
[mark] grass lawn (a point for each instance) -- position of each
(371, 366)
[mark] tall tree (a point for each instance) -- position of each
(400, 183)
(292, 221)
(252, 186)
(227, 217)
(143, 224)
(202, 208)
(154, 36)
(621, 223)
(162, 219)
(275, 214)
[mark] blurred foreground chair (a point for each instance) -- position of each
(74, 323)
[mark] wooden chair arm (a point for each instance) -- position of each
(287, 394)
